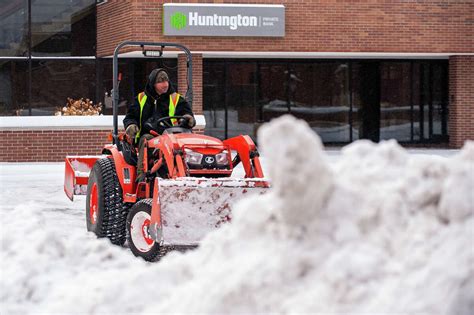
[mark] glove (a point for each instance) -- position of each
(131, 131)
(150, 124)
(188, 121)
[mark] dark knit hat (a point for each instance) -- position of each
(162, 76)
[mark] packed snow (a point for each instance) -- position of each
(376, 230)
(197, 210)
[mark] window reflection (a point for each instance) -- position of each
(315, 92)
(395, 100)
(416, 101)
(214, 99)
(439, 99)
(375, 100)
(13, 87)
(431, 114)
(365, 87)
(425, 100)
(63, 28)
(273, 97)
(241, 89)
(13, 28)
(53, 81)
(328, 112)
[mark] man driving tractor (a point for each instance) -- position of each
(157, 101)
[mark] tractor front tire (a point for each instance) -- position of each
(138, 237)
(105, 211)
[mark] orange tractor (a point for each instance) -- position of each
(189, 188)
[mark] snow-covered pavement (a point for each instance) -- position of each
(369, 229)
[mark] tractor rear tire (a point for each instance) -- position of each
(138, 239)
(106, 212)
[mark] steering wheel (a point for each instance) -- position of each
(166, 121)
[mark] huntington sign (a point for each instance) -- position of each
(190, 19)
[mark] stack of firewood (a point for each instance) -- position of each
(81, 107)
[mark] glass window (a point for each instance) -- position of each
(365, 86)
(425, 100)
(229, 102)
(63, 28)
(323, 100)
(272, 88)
(241, 87)
(432, 113)
(416, 100)
(53, 81)
(214, 98)
(395, 101)
(440, 98)
(13, 87)
(315, 92)
(13, 28)
(341, 101)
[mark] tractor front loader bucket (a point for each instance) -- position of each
(76, 174)
(184, 210)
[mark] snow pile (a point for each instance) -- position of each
(380, 231)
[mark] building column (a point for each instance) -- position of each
(197, 80)
(461, 100)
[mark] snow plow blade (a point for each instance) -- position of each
(189, 208)
(76, 174)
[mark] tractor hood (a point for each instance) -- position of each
(196, 140)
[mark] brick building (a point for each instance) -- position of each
(352, 69)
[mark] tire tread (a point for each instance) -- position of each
(115, 214)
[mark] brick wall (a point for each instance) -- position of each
(461, 100)
(53, 145)
(50, 145)
(114, 25)
(312, 26)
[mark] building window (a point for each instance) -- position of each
(214, 108)
(54, 81)
(323, 89)
(13, 87)
(14, 28)
(395, 101)
(62, 31)
(432, 101)
(316, 92)
(63, 28)
(342, 101)
(273, 94)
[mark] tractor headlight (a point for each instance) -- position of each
(222, 158)
(192, 157)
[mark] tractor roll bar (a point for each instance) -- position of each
(189, 91)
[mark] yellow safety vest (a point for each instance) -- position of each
(171, 109)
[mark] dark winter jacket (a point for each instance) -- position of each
(156, 106)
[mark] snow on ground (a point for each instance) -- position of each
(371, 229)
